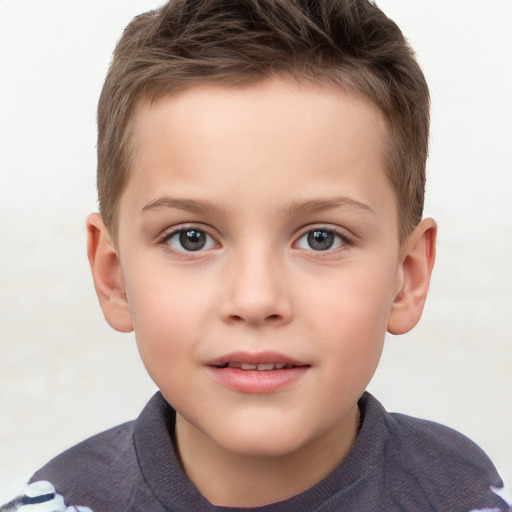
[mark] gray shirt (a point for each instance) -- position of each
(398, 463)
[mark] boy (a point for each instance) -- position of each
(261, 177)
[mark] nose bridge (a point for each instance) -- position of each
(256, 290)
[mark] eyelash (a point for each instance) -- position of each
(185, 254)
(343, 241)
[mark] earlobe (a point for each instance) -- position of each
(417, 261)
(107, 275)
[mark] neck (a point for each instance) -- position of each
(251, 481)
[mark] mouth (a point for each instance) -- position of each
(265, 372)
(261, 361)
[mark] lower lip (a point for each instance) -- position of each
(256, 381)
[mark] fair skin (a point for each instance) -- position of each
(258, 227)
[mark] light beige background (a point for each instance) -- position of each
(64, 374)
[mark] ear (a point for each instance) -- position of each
(417, 260)
(107, 275)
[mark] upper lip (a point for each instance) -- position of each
(255, 358)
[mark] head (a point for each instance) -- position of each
(261, 186)
(343, 43)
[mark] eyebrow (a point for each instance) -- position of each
(321, 205)
(295, 208)
(189, 205)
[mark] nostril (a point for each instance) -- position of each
(270, 318)
(255, 310)
(236, 318)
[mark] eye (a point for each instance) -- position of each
(321, 240)
(189, 240)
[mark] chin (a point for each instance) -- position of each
(263, 439)
(269, 448)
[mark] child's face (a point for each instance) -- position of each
(258, 227)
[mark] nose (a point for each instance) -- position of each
(256, 291)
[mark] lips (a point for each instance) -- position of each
(264, 372)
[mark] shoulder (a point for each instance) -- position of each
(101, 454)
(428, 462)
(100, 473)
(426, 443)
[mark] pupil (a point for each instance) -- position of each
(320, 240)
(192, 240)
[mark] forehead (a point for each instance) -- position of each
(276, 103)
(276, 138)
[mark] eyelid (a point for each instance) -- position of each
(184, 226)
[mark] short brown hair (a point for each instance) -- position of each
(349, 43)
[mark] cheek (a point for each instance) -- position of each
(355, 300)
(351, 317)
(169, 312)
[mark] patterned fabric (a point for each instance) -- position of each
(502, 494)
(40, 497)
(499, 492)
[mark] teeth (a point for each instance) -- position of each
(268, 366)
(259, 366)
